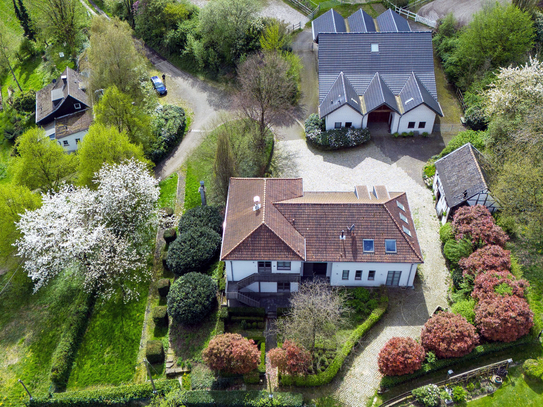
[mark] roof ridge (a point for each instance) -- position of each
(283, 240)
(394, 19)
(330, 90)
(264, 204)
(458, 149)
(402, 233)
(471, 148)
(334, 19)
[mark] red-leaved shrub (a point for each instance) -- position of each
(492, 283)
(231, 353)
(401, 356)
(291, 359)
(476, 223)
(503, 319)
(449, 335)
(486, 258)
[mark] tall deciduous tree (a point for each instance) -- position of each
(98, 235)
(114, 59)
(62, 20)
(316, 313)
(42, 163)
(266, 90)
(14, 201)
(224, 167)
(7, 51)
(104, 145)
(117, 109)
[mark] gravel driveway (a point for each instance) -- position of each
(409, 309)
(463, 10)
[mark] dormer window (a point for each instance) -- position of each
(390, 245)
(400, 205)
(77, 105)
(374, 47)
(368, 246)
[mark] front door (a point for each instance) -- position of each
(393, 278)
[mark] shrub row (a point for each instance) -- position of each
(247, 311)
(391, 381)
(237, 398)
(168, 125)
(338, 138)
(113, 396)
(327, 376)
(69, 342)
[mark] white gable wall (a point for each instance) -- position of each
(421, 113)
(407, 277)
(343, 115)
(239, 269)
(72, 141)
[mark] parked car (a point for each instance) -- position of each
(159, 85)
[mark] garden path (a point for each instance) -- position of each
(373, 164)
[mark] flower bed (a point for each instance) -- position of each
(333, 139)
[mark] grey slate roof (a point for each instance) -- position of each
(414, 94)
(390, 21)
(463, 173)
(360, 22)
(400, 54)
(378, 94)
(329, 22)
(341, 93)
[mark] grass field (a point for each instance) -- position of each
(168, 192)
(30, 328)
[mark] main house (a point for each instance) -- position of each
(63, 109)
(462, 178)
(375, 71)
(276, 236)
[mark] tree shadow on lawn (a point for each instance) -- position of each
(188, 342)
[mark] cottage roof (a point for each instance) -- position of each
(50, 98)
(329, 22)
(360, 22)
(72, 123)
(341, 93)
(311, 223)
(414, 94)
(463, 173)
(390, 21)
(378, 94)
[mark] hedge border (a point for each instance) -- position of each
(481, 350)
(332, 370)
(112, 396)
(237, 398)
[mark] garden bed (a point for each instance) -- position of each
(334, 139)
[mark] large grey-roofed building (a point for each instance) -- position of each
(390, 21)
(329, 22)
(360, 22)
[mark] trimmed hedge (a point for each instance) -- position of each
(170, 235)
(191, 298)
(154, 352)
(247, 311)
(331, 371)
(112, 396)
(202, 216)
(64, 354)
(163, 286)
(237, 398)
(160, 316)
(391, 381)
(168, 125)
(316, 134)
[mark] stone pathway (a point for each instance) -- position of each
(409, 308)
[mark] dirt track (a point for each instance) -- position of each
(463, 10)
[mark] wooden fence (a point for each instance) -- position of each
(307, 7)
(409, 14)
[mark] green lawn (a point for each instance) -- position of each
(108, 353)
(168, 192)
(515, 391)
(30, 329)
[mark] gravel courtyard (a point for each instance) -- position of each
(408, 309)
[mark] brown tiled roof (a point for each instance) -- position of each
(44, 104)
(262, 234)
(319, 218)
(72, 123)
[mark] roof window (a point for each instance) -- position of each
(400, 205)
(374, 47)
(404, 218)
(407, 231)
(368, 245)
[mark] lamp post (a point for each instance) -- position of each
(29, 395)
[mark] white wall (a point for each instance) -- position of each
(421, 113)
(295, 268)
(344, 114)
(441, 205)
(268, 287)
(239, 269)
(71, 139)
(381, 271)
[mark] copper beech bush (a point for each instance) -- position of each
(490, 257)
(502, 283)
(401, 356)
(477, 224)
(503, 319)
(449, 335)
(231, 353)
(290, 359)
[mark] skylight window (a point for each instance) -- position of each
(368, 245)
(407, 231)
(408, 100)
(374, 47)
(390, 245)
(400, 205)
(404, 218)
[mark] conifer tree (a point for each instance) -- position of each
(25, 20)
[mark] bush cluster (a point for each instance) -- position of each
(236, 398)
(400, 356)
(455, 250)
(491, 257)
(163, 286)
(202, 216)
(428, 395)
(492, 283)
(449, 335)
(154, 352)
(191, 298)
(231, 353)
(477, 224)
(291, 359)
(333, 139)
(168, 125)
(160, 316)
(533, 369)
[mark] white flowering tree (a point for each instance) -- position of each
(100, 236)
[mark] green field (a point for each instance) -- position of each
(168, 192)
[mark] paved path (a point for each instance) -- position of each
(409, 309)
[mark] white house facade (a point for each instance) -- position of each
(276, 236)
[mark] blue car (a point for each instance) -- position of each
(159, 85)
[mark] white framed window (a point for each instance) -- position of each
(337, 125)
(283, 265)
(348, 124)
(283, 287)
(390, 245)
(407, 231)
(371, 275)
(368, 245)
(358, 275)
(422, 125)
(65, 142)
(374, 47)
(404, 218)
(400, 205)
(345, 275)
(393, 278)
(264, 266)
(77, 105)
(411, 125)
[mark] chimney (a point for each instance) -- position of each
(202, 191)
(257, 205)
(64, 78)
(342, 236)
